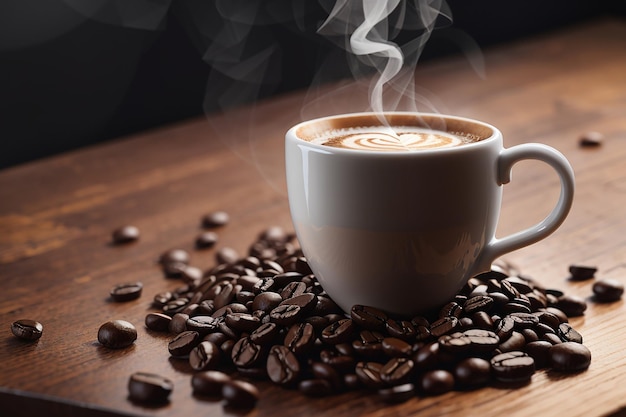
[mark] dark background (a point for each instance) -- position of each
(100, 80)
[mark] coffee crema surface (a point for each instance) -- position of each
(391, 139)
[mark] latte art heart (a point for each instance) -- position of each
(396, 139)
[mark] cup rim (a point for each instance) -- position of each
(495, 132)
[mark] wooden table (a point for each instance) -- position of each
(56, 216)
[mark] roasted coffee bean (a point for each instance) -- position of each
(402, 329)
(206, 240)
(443, 325)
(217, 337)
(524, 320)
(151, 388)
(265, 334)
(549, 319)
(215, 219)
(369, 374)
(478, 303)
(539, 351)
(509, 289)
(514, 366)
(27, 329)
(523, 286)
(571, 305)
(469, 341)
(338, 332)
(285, 314)
(591, 140)
(203, 324)
(209, 383)
(568, 334)
(175, 306)
(242, 322)
(607, 290)
(183, 343)
(395, 347)
(266, 301)
(226, 255)
(158, 322)
(126, 292)
(282, 365)
(300, 338)
(293, 289)
(204, 356)
(368, 317)
(515, 342)
(162, 298)
(174, 256)
(515, 307)
(430, 356)
(125, 234)
(397, 393)
(435, 382)
(178, 323)
(324, 371)
(342, 363)
(397, 371)
(245, 353)
(239, 394)
(117, 334)
(306, 302)
(529, 335)
(316, 387)
(482, 320)
(558, 313)
(582, 273)
(472, 372)
(452, 309)
(569, 357)
(553, 338)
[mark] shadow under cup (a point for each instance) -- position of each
(401, 231)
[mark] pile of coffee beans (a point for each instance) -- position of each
(264, 316)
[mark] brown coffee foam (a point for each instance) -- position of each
(476, 131)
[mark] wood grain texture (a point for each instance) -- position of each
(56, 216)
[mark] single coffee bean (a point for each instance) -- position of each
(395, 347)
(245, 353)
(282, 365)
(452, 309)
(590, 140)
(204, 356)
(178, 323)
(215, 219)
(206, 240)
(266, 301)
(369, 374)
(149, 388)
(397, 393)
(482, 320)
(192, 275)
(478, 303)
(117, 334)
(515, 342)
(316, 387)
(265, 334)
(27, 329)
(402, 329)
(571, 305)
(227, 255)
(285, 314)
(209, 383)
(539, 350)
(325, 371)
(443, 325)
(469, 341)
(306, 302)
(300, 338)
(524, 320)
(203, 324)
(338, 332)
(581, 273)
(569, 357)
(514, 366)
(568, 334)
(158, 322)
(183, 343)
(472, 372)
(125, 234)
(174, 256)
(607, 290)
(368, 317)
(397, 371)
(524, 286)
(341, 362)
(435, 382)
(162, 298)
(242, 322)
(126, 292)
(239, 394)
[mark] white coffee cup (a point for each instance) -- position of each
(404, 231)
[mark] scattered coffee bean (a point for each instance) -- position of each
(27, 329)
(205, 356)
(581, 273)
(183, 343)
(514, 366)
(283, 367)
(568, 334)
(591, 139)
(215, 219)
(316, 387)
(117, 334)
(607, 290)
(149, 388)
(125, 234)
(126, 292)
(239, 394)
(472, 372)
(158, 322)
(174, 256)
(569, 357)
(436, 382)
(397, 393)
(539, 350)
(206, 240)
(209, 383)
(571, 305)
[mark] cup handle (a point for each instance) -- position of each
(508, 158)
